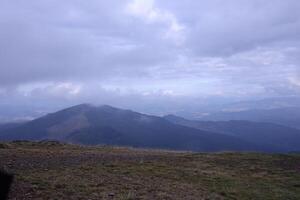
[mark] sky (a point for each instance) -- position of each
(147, 53)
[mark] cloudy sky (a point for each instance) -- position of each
(123, 52)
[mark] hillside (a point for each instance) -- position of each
(86, 124)
(267, 134)
(51, 170)
(6, 126)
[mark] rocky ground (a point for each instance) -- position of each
(51, 170)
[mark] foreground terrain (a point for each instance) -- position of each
(52, 170)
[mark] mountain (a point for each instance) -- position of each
(267, 134)
(86, 124)
(288, 116)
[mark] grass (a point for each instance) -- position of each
(45, 170)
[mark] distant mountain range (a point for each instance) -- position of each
(287, 116)
(93, 125)
(266, 134)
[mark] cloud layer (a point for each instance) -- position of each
(104, 51)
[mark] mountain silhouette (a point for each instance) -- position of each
(93, 125)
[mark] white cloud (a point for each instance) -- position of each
(295, 81)
(146, 10)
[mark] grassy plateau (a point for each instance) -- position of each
(52, 170)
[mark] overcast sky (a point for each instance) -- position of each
(123, 51)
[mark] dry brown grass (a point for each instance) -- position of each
(59, 171)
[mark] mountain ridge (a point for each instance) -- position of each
(261, 133)
(88, 124)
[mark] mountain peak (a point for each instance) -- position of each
(172, 117)
(105, 106)
(77, 108)
(88, 106)
(83, 105)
